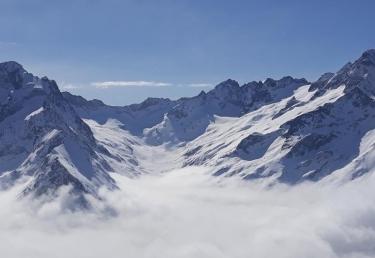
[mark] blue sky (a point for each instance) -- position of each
(123, 51)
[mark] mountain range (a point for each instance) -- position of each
(277, 131)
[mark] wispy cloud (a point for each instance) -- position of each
(68, 86)
(125, 84)
(4, 44)
(200, 85)
(121, 84)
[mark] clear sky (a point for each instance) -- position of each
(123, 51)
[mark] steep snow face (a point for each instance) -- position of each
(165, 121)
(285, 130)
(360, 74)
(44, 139)
(190, 117)
(253, 145)
(134, 118)
(318, 131)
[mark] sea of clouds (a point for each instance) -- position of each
(188, 214)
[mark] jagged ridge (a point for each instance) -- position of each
(287, 130)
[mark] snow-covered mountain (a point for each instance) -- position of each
(42, 139)
(286, 130)
(320, 129)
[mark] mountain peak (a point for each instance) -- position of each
(368, 57)
(286, 80)
(323, 79)
(80, 101)
(230, 126)
(12, 75)
(228, 84)
(11, 66)
(360, 73)
(369, 52)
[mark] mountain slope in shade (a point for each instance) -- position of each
(318, 130)
(286, 130)
(44, 140)
(191, 116)
(134, 118)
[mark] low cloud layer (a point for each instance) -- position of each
(185, 214)
(127, 84)
(121, 84)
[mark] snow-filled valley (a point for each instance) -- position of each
(271, 168)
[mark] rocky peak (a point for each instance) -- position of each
(326, 77)
(38, 123)
(323, 79)
(368, 58)
(360, 74)
(202, 94)
(253, 84)
(270, 89)
(269, 82)
(79, 101)
(227, 85)
(224, 91)
(12, 75)
(149, 102)
(285, 81)
(11, 66)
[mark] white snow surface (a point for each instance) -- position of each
(39, 110)
(272, 131)
(278, 168)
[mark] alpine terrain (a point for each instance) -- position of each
(279, 131)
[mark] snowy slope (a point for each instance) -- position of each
(43, 140)
(134, 118)
(286, 130)
(309, 135)
(190, 117)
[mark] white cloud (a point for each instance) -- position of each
(119, 84)
(6, 44)
(68, 86)
(200, 85)
(184, 214)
